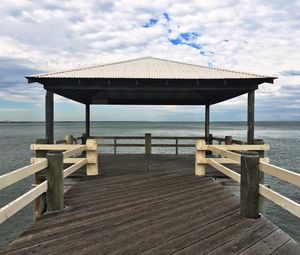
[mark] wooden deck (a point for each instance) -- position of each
(167, 210)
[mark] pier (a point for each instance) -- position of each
(150, 203)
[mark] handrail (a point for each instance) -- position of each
(21, 173)
(38, 164)
(13, 207)
(72, 152)
(281, 173)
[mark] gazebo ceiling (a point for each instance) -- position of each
(150, 81)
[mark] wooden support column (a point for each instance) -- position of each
(228, 140)
(49, 113)
(55, 179)
(40, 202)
(207, 123)
(250, 185)
(87, 120)
(148, 144)
(251, 104)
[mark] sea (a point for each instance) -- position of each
(16, 137)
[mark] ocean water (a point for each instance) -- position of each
(283, 137)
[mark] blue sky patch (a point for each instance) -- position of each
(151, 22)
(187, 39)
(167, 17)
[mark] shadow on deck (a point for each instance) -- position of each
(164, 211)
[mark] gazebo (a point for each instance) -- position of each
(149, 81)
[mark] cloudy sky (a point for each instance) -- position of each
(254, 36)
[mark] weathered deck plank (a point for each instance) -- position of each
(167, 210)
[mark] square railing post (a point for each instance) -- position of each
(92, 157)
(200, 157)
(55, 179)
(250, 185)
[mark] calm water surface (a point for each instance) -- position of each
(15, 140)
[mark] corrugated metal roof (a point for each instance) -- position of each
(150, 68)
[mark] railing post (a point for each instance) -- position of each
(69, 139)
(176, 145)
(210, 139)
(115, 145)
(200, 156)
(92, 157)
(228, 140)
(84, 138)
(55, 179)
(40, 202)
(147, 143)
(250, 185)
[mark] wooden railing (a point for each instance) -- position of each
(56, 155)
(230, 155)
(148, 142)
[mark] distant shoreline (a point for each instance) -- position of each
(132, 121)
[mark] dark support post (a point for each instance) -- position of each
(40, 202)
(87, 120)
(83, 138)
(55, 192)
(250, 185)
(49, 117)
(176, 146)
(228, 140)
(250, 134)
(115, 145)
(148, 149)
(210, 139)
(148, 144)
(207, 123)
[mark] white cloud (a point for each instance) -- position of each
(254, 36)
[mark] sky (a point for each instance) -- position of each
(254, 36)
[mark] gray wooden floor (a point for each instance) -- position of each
(167, 210)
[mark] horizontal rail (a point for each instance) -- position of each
(281, 173)
(19, 203)
(75, 167)
(60, 141)
(234, 141)
(225, 153)
(173, 145)
(286, 203)
(227, 160)
(122, 145)
(21, 173)
(53, 147)
(143, 137)
(66, 161)
(225, 170)
(143, 145)
(236, 147)
(74, 151)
